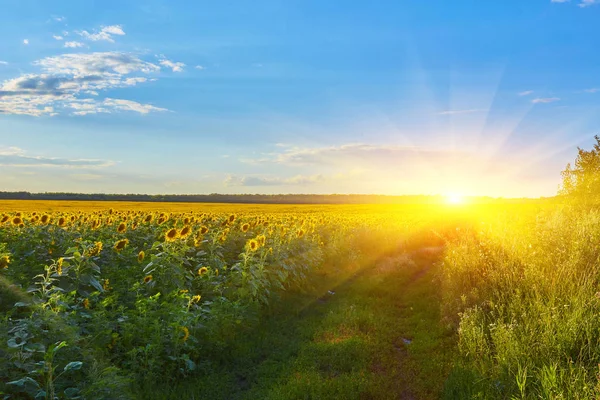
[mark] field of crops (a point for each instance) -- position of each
(102, 300)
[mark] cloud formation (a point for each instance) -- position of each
(106, 33)
(526, 93)
(16, 157)
(67, 79)
(174, 66)
(234, 180)
(545, 100)
(458, 112)
(73, 44)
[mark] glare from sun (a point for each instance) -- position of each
(454, 199)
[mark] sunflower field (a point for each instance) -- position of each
(93, 301)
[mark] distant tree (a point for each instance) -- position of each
(581, 181)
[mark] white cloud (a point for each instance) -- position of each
(545, 100)
(73, 44)
(3, 63)
(200, 67)
(59, 18)
(587, 3)
(66, 79)
(175, 66)
(457, 112)
(106, 33)
(234, 180)
(526, 93)
(16, 157)
(592, 90)
(58, 37)
(25, 41)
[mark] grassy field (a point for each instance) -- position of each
(229, 301)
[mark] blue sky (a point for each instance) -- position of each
(393, 97)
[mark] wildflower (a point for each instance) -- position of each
(122, 227)
(186, 333)
(202, 271)
(86, 303)
(185, 231)
(252, 245)
(195, 298)
(120, 245)
(94, 251)
(147, 278)
(203, 230)
(141, 256)
(17, 221)
(4, 261)
(245, 227)
(171, 235)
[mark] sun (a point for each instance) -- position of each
(454, 199)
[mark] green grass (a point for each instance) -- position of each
(349, 345)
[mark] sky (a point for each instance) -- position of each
(284, 96)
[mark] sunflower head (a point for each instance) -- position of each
(171, 235)
(202, 271)
(141, 256)
(4, 261)
(86, 303)
(149, 218)
(245, 227)
(120, 245)
(203, 230)
(4, 219)
(300, 233)
(261, 239)
(122, 227)
(186, 333)
(147, 278)
(252, 245)
(62, 221)
(185, 231)
(17, 220)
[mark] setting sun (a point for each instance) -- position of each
(454, 199)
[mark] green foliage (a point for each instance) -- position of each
(581, 182)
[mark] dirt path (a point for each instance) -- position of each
(374, 336)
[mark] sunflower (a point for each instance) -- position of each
(149, 218)
(94, 251)
(300, 233)
(86, 303)
(186, 220)
(17, 221)
(171, 235)
(62, 221)
(147, 278)
(252, 245)
(231, 218)
(122, 227)
(203, 230)
(245, 227)
(196, 298)
(186, 333)
(106, 284)
(120, 245)
(185, 231)
(59, 265)
(202, 271)
(261, 240)
(141, 256)
(4, 219)
(4, 261)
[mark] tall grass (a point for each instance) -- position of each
(522, 290)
